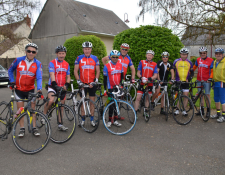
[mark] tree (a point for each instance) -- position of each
(74, 49)
(201, 16)
(12, 11)
(158, 39)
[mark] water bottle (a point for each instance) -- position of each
(19, 111)
(175, 96)
(107, 101)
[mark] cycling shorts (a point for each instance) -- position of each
(184, 87)
(219, 95)
(91, 91)
(141, 90)
(206, 86)
(63, 94)
(23, 95)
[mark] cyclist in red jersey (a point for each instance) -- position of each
(28, 68)
(203, 63)
(87, 64)
(124, 59)
(147, 71)
(59, 76)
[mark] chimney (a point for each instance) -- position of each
(28, 21)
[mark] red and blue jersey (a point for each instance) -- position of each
(87, 66)
(125, 61)
(61, 70)
(25, 78)
(148, 69)
(113, 72)
(204, 69)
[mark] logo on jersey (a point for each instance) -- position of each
(33, 66)
(146, 67)
(76, 62)
(115, 72)
(61, 70)
(27, 73)
(87, 67)
(124, 65)
(203, 65)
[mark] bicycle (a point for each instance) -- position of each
(202, 98)
(69, 119)
(177, 102)
(166, 99)
(85, 108)
(119, 108)
(28, 144)
(132, 88)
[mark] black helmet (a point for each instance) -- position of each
(60, 48)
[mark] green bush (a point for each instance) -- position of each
(158, 39)
(193, 60)
(74, 49)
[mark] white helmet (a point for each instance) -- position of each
(165, 53)
(184, 50)
(151, 52)
(202, 49)
(87, 44)
(31, 45)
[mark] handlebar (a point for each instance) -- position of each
(118, 91)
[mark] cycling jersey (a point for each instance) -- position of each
(26, 74)
(113, 72)
(183, 69)
(61, 69)
(203, 66)
(219, 73)
(87, 67)
(147, 69)
(125, 61)
(164, 70)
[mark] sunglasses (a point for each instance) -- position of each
(125, 49)
(202, 53)
(165, 57)
(33, 52)
(114, 57)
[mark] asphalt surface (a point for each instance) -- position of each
(156, 147)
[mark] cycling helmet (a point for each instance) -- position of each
(219, 50)
(31, 45)
(60, 48)
(114, 52)
(184, 50)
(87, 44)
(125, 46)
(151, 52)
(202, 49)
(165, 54)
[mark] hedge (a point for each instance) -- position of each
(74, 49)
(143, 38)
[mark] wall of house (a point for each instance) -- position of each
(17, 50)
(23, 30)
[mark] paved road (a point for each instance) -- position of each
(157, 147)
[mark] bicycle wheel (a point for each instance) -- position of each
(166, 106)
(127, 111)
(133, 92)
(86, 109)
(205, 107)
(147, 109)
(128, 98)
(182, 104)
(4, 116)
(68, 121)
(29, 143)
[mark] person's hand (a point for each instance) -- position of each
(150, 79)
(12, 86)
(79, 82)
(144, 80)
(132, 81)
(40, 95)
(209, 80)
(171, 81)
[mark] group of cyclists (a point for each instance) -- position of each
(87, 70)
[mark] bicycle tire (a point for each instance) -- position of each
(31, 144)
(147, 110)
(87, 118)
(69, 120)
(166, 106)
(4, 116)
(132, 90)
(127, 111)
(183, 119)
(206, 102)
(129, 99)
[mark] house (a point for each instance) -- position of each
(62, 19)
(12, 48)
(194, 38)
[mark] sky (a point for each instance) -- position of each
(119, 7)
